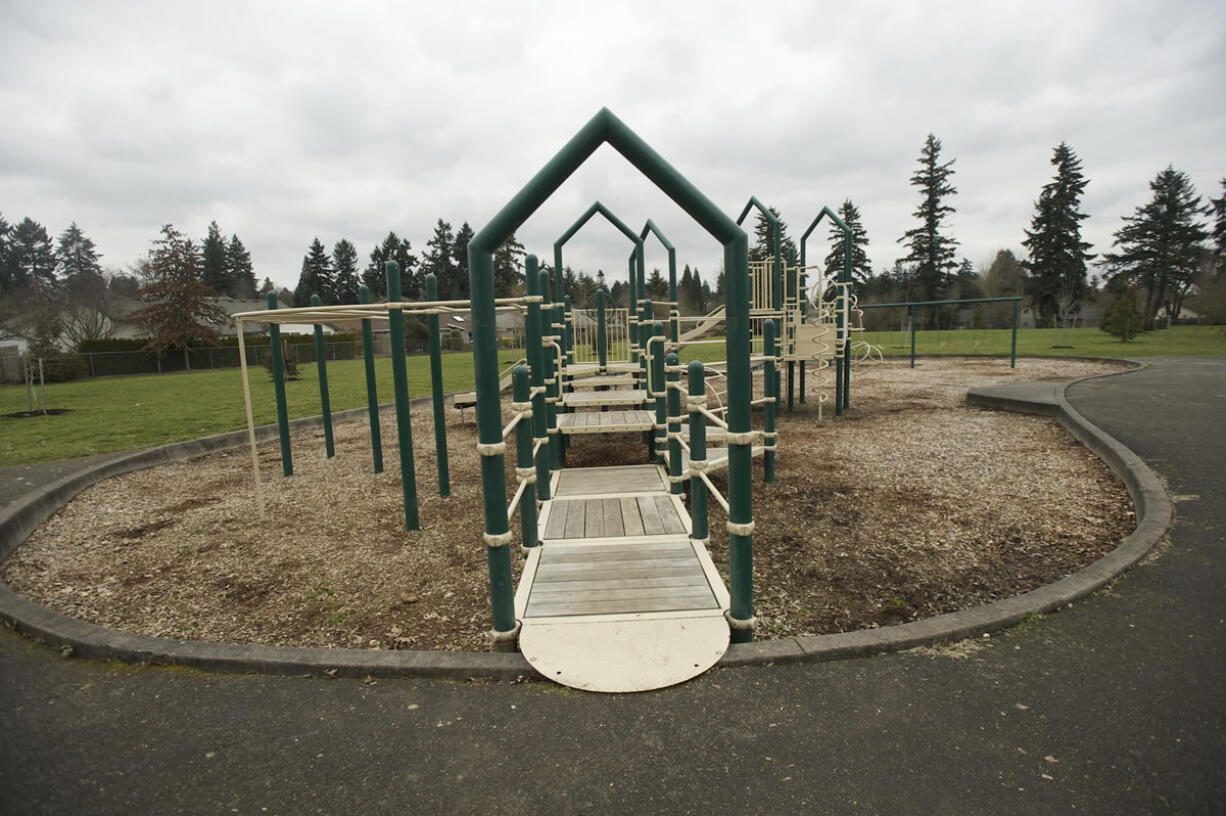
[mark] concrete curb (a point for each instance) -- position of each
(1153, 511)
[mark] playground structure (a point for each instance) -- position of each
(618, 591)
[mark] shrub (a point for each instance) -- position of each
(1123, 320)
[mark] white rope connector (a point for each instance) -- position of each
(694, 404)
(745, 529)
(503, 637)
(497, 539)
(697, 466)
(659, 426)
(527, 474)
(678, 479)
(496, 449)
(738, 623)
(744, 438)
(522, 407)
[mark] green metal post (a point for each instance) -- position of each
(846, 277)
(278, 384)
(602, 340)
(698, 451)
(1013, 340)
(559, 324)
(321, 365)
(838, 362)
(659, 388)
(436, 390)
(645, 370)
(536, 364)
(551, 372)
(803, 296)
(568, 332)
(789, 334)
(400, 379)
(740, 455)
(632, 314)
(674, 422)
(372, 392)
(911, 320)
(520, 389)
(772, 402)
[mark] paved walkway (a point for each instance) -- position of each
(1114, 706)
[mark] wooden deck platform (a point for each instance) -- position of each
(617, 597)
(590, 422)
(623, 380)
(597, 398)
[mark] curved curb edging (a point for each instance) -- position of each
(1153, 512)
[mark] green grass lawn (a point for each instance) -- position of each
(127, 413)
(1177, 341)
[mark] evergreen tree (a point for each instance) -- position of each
(267, 286)
(508, 268)
(1057, 255)
(345, 267)
(685, 292)
(861, 267)
(619, 295)
(720, 294)
(460, 254)
(240, 275)
(213, 262)
(931, 252)
(6, 234)
(439, 259)
(1160, 245)
(1122, 319)
(1217, 208)
(180, 310)
(77, 261)
(657, 286)
(392, 249)
(29, 260)
(317, 277)
(763, 246)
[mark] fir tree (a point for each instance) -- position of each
(764, 245)
(861, 268)
(508, 267)
(240, 275)
(657, 286)
(179, 310)
(317, 277)
(29, 260)
(439, 259)
(1160, 245)
(345, 267)
(77, 261)
(1057, 255)
(375, 276)
(1122, 319)
(459, 252)
(685, 292)
(1217, 208)
(931, 252)
(213, 261)
(720, 294)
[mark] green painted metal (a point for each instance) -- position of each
(911, 322)
(325, 406)
(520, 389)
(803, 297)
(604, 128)
(536, 365)
(674, 421)
(1013, 339)
(660, 389)
(698, 452)
(602, 336)
(436, 390)
(645, 368)
(551, 370)
(278, 385)
(842, 360)
(400, 381)
(372, 391)
(650, 228)
(769, 350)
(597, 207)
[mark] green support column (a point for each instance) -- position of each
(535, 355)
(674, 422)
(551, 373)
(321, 365)
(740, 455)
(372, 392)
(436, 390)
(802, 295)
(645, 373)
(789, 341)
(659, 388)
(632, 315)
(772, 405)
(1013, 340)
(278, 384)
(698, 451)
(911, 320)
(400, 379)
(602, 339)
(523, 450)
(838, 361)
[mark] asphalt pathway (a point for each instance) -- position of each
(1114, 706)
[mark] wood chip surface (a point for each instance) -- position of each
(912, 504)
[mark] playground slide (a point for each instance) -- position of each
(705, 326)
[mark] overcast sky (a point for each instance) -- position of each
(284, 122)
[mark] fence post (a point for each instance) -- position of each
(278, 383)
(1013, 342)
(404, 427)
(372, 394)
(524, 467)
(436, 389)
(322, 365)
(911, 320)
